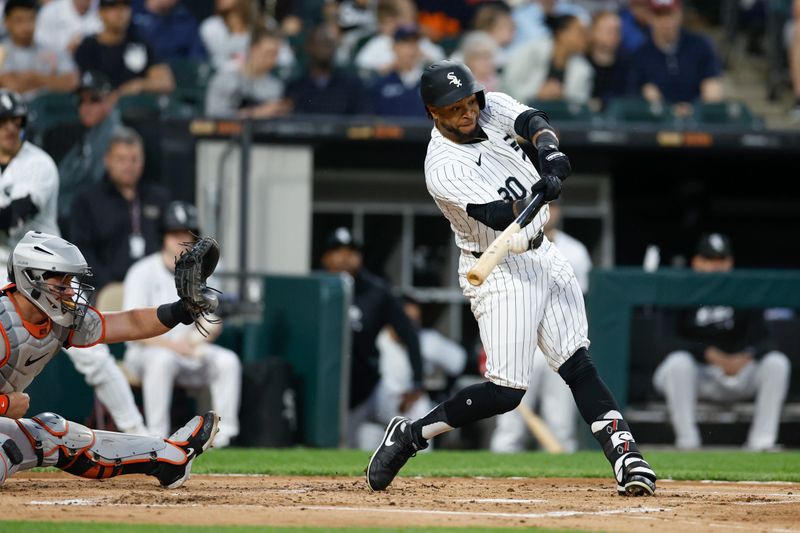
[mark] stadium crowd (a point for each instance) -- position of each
(239, 58)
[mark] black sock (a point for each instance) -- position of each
(473, 403)
(590, 392)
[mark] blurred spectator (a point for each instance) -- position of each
(251, 90)
(183, 355)
(373, 308)
(323, 88)
(552, 69)
(29, 192)
(794, 59)
(377, 54)
(169, 28)
(226, 35)
(118, 221)
(446, 21)
(26, 67)
(722, 354)
(636, 18)
(611, 65)
(675, 65)
(130, 64)
(82, 165)
(62, 24)
(547, 389)
(530, 18)
(479, 51)
(443, 360)
(397, 93)
(495, 19)
(357, 20)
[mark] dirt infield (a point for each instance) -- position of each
(589, 504)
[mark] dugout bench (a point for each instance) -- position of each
(627, 336)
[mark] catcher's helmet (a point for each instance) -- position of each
(38, 257)
(12, 105)
(446, 82)
(180, 216)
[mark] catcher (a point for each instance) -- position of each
(44, 308)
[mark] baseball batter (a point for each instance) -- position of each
(29, 201)
(481, 179)
(44, 308)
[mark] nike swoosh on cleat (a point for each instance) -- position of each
(389, 441)
(479, 159)
(189, 452)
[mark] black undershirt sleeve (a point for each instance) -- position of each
(497, 215)
(529, 122)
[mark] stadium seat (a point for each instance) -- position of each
(563, 110)
(638, 110)
(725, 114)
(48, 110)
(191, 80)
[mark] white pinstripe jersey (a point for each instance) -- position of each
(481, 172)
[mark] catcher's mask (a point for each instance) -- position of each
(49, 271)
(446, 82)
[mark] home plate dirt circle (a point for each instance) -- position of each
(587, 504)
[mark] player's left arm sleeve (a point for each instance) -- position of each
(91, 332)
(398, 319)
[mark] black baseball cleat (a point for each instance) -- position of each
(395, 449)
(638, 479)
(194, 438)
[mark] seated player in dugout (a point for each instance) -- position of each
(482, 181)
(46, 307)
(723, 354)
(373, 307)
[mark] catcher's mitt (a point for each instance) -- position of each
(192, 269)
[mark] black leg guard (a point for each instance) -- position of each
(599, 409)
(590, 392)
(471, 404)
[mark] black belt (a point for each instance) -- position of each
(534, 243)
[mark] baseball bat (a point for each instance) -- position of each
(539, 430)
(499, 247)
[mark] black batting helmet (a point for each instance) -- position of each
(446, 82)
(12, 105)
(180, 216)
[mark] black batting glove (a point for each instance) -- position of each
(548, 184)
(554, 162)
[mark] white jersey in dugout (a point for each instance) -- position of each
(31, 172)
(482, 172)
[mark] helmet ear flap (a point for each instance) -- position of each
(481, 96)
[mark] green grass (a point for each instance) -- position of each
(81, 527)
(720, 465)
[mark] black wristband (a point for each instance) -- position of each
(173, 314)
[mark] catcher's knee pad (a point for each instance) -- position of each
(10, 456)
(84, 452)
